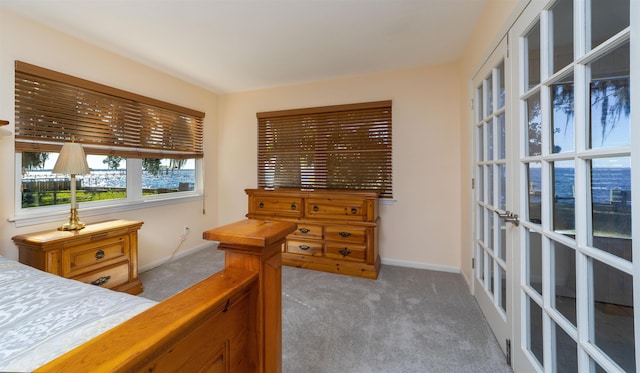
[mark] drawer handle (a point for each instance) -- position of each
(293, 206)
(261, 205)
(315, 208)
(344, 234)
(101, 281)
(304, 247)
(99, 254)
(304, 230)
(345, 251)
(354, 210)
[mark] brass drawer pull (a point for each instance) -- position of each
(99, 254)
(304, 230)
(304, 247)
(345, 251)
(101, 281)
(344, 234)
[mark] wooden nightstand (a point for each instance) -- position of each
(103, 254)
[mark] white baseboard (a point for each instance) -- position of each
(180, 254)
(432, 267)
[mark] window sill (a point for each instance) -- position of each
(85, 212)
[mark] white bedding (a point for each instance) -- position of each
(42, 316)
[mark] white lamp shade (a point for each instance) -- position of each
(71, 160)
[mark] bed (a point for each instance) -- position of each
(229, 322)
(42, 316)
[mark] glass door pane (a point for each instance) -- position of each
(576, 309)
(491, 282)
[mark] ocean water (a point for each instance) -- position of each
(118, 179)
(603, 182)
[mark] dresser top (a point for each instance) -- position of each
(54, 235)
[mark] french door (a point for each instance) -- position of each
(576, 269)
(492, 275)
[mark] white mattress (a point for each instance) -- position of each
(42, 316)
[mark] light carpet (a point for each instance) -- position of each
(409, 320)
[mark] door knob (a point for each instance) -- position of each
(509, 217)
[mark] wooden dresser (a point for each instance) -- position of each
(337, 230)
(103, 254)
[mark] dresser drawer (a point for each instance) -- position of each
(108, 277)
(346, 252)
(275, 206)
(336, 208)
(308, 230)
(88, 257)
(345, 234)
(311, 247)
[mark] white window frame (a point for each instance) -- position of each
(134, 200)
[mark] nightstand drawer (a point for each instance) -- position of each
(336, 208)
(308, 230)
(345, 234)
(346, 252)
(88, 257)
(108, 277)
(313, 248)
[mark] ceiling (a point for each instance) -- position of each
(240, 45)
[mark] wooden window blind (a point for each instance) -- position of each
(333, 147)
(51, 108)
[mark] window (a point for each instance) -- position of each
(137, 147)
(333, 147)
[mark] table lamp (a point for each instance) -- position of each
(72, 161)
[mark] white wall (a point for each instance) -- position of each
(21, 39)
(428, 224)
(421, 228)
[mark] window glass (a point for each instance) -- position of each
(562, 117)
(533, 56)
(479, 97)
(481, 143)
(502, 186)
(502, 140)
(534, 126)
(608, 17)
(613, 320)
(610, 99)
(490, 140)
(501, 244)
(480, 264)
(480, 221)
(564, 202)
(489, 88)
(564, 280)
(161, 176)
(490, 188)
(41, 187)
(611, 205)
(562, 35)
(534, 275)
(502, 281)
(501, 88)
(535, 331)
(566, 353)
(534, 172)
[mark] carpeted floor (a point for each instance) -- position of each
(409, 320)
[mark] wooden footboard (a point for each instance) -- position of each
(229, 322)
